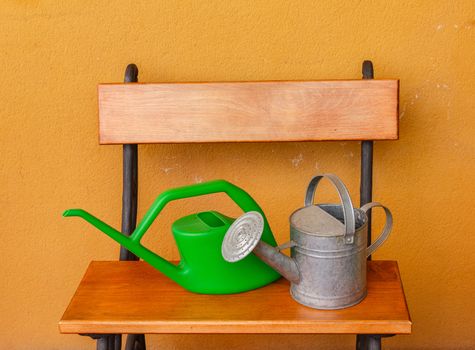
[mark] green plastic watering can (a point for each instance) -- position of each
(199, 237)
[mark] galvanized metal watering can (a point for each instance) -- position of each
(202, 268)
(327, 267)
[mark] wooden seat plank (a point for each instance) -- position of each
(133, 297)
(248, 111)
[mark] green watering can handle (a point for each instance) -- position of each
(242, 199)
(239, 196)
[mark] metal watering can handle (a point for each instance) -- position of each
(386, 230)
(348, 212)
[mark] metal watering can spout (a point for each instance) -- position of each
(243, 237)
(168, 269)
(283, 264)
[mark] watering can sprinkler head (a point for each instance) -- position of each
(243, 237)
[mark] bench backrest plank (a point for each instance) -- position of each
(248, 111)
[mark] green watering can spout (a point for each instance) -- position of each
(202, 268)
(167, 268)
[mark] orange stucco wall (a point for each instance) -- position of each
(53, 54)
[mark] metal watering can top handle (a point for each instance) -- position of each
(347, 205)
(386, 230)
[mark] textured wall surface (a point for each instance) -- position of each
(53, 54)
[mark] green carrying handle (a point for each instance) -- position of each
(239, 196)
(132, 243)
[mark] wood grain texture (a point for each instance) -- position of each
(248, 111)
(133, 297)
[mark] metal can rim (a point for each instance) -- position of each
(365, 223)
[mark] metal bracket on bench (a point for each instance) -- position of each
(106, 341)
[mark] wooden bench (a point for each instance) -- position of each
(106, 303)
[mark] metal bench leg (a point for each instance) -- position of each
(368, 342)
(135, 342)
(117, 342)
(103, 343)
(360, 342)
(106, 341)
(373, 342)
